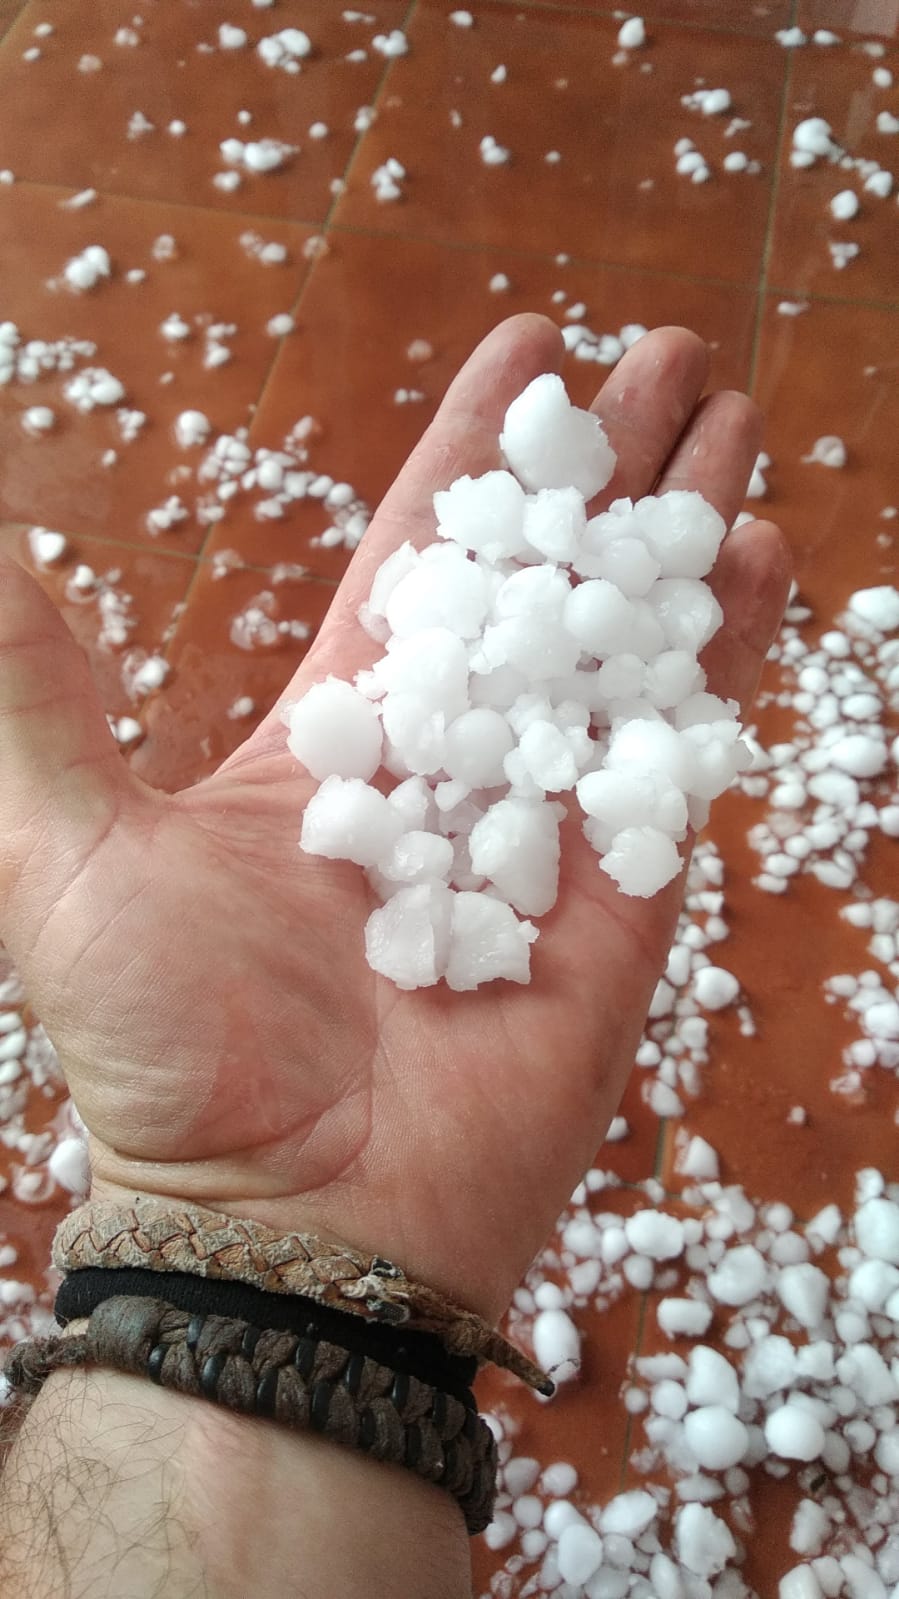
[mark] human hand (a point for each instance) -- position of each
(205, 982)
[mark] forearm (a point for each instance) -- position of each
(118, 1487)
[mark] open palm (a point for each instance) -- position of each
(205, 983)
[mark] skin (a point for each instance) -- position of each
(205, 983)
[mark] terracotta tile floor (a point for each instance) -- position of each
(388, 299)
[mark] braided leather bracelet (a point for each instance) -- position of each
(301, 1383)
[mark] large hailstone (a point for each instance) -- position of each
(516, 845)
(551, 444)
(484, 514)
(335, 732)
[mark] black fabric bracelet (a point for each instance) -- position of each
(418, 1354)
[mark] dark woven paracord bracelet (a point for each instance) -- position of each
(420, 1354)
(345, 1396)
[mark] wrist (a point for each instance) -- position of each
(145, 1490)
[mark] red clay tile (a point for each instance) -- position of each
(871, 17)
(837, 84)
(58, 479)
(831, 370)
(367, 304)
(737, 16)
(146, 588)
(196, 720)
(614, 195)
(168, 75)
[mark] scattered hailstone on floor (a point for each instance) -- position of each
(828, 451)
(531, 651)
(46, 546)
(85, 271)
(632, 34)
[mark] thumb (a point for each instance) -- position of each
(62, 780)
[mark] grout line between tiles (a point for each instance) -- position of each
(772, 218)
(273, 218)
(629, 1425)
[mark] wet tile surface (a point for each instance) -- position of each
(612, 195)
(119, 603)
(172, 68)
(195, 269)
(809, 242)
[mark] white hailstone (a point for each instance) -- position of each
(46, 546)
(858, 754)
(716, 1437)
(476, 745)
(877, 1230)
(484, 514)
(715, 988)
(632, 34)
(348, 820)
(554, 523)
(810, 1527)
(711, 1379)
(800, 1583)
(151, 674)
(863, 1369)
(68, 1165)
(487, 942)
(684, 1318)
(92, 387)
(803, 1291)
(557, 1344)
(278, 326)
(549, 443)
(687, 612)
(84, 271)
(408, 939)
(872, 1283)
(702, 1541)
(191, 429)
(887, 123)
(549, 756)
(814, 136)
(335, 732)
(599, 617)
(628, 1515)
(417, 857)
(443, 589)
(285, 49)
(653, 1233)
(793, 1433)
(641, 860)
(844, 206)
(431, 667)
(579, 1553)
(609, 552)
(877, 607)
(391, 44)
(740, 1276)
(616, 800)
(516, 845)
(38, 420)
(699, 1160)
(231, 38)
(681, 530)
(828, 451)
(654, 746)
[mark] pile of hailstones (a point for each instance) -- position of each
(529, 652)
